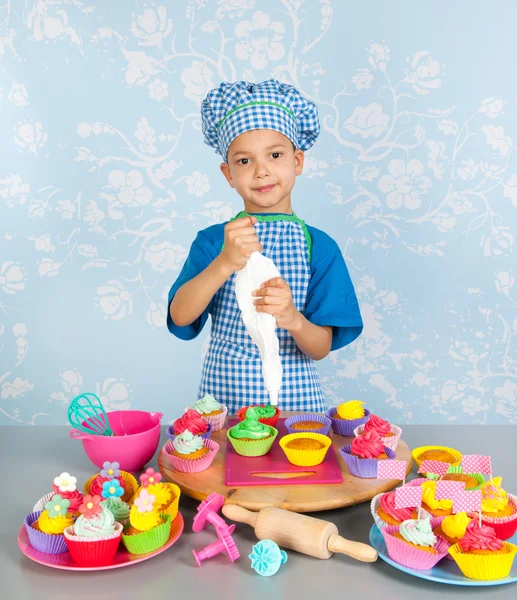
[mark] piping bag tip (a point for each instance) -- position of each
(273, 397)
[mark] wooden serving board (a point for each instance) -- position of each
(296, 498)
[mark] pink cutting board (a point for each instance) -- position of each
(239, 469)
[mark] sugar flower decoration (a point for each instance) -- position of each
(110, 470)
(65, 482)
(144, 502)
(149, 477)
(90, 506)
(112, 489)
(57, 506)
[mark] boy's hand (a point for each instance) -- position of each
(240, 241)
(276, 299)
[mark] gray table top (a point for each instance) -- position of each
(32, 456)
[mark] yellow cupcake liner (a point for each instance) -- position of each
(421, 449)
(485, 567)
(130, 488)
(305, 458)
(172, 508)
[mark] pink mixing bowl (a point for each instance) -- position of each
(135, 440)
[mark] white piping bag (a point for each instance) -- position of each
(260, 326)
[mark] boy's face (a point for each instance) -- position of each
(262, 167)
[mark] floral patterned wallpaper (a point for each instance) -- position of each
(105, 180)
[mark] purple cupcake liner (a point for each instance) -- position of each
(365, 468)
(44, 542)
(309, 417)
(205, 436)
(346, 427)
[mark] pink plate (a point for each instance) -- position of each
(122, 558)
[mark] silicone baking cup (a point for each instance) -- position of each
(241, 414)
(485, 567)
(305, 458)
(365, 468)
(148, 541)
(418, 451)
(309, 417)
(217, 421)
(44, 542)
(184, 465)
(89, 552)
(253, 448)
(390, 441)
(345, 427)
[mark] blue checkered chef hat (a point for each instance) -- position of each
(233, 108)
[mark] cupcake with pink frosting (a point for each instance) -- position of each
(384, 511)
(192, 421)
(364, 453)
(111, 470)
(390, 434)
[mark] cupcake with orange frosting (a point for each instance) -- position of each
(481, 555)
(498, 509)
(347, 416)
(437, 508)
(189, 453)
(45, 528)
(363, 454)
(390, 434)
(211, 411)
(110, 471)
(192, 421)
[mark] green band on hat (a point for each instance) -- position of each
(258, 102)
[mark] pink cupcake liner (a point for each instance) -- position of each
(390, 441)
(205, 436)
(374, 505)
(309, 417)
(192, 466)
(217, 421)
(504, 527)
(44, 542)
(410, 557)
(40, 504)
(344, 427)
(365, 468)
(89, 552)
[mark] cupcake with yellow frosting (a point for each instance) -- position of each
(45, 528)
(251, 437)
(149, 529)
(347, 416)
(498, 509)
(94, 538)
(167, 495)
(212, 411)
(437, 508)
(189, 453)
(453, 527)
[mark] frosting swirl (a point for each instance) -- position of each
(263, 411)
(353, 409)
(75, 497)
(368, 445)
(161, 492)
(143, 521)
(54, 525)
(96, 485)
(192, 421)
(117, 507)
(493, 497)
(187, 443)
(206, 405)
(418, 532)
(387, 504)
(429, 488)
(377, 424)
(100, 525)
(480, 538)
(455, 525)
(251, 427)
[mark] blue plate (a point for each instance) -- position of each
(446, 571)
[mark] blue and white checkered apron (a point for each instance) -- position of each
(232, 368)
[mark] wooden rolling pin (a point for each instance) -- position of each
(300, 533)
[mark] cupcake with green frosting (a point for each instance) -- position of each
(251, 437)
(94, 538)
(266, 413)
(213, 412)
(119, 509)
(189, 453)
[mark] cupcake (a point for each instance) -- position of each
(384, 511)
(266, 414)
(45, 528)
(390, 434)
(167, 495)
(250, 437)
(437, 508)
(481, 555)
(414, 544)
(118, 508)
(192, 421)
(111, 470)
(308, 422)
(473, 481)
(94, 538)
(363, 454)
(65, 486)
(347, 416)
(212, 411)
(149, 529)
(438, 453)
(190, 453)
(498, 509)
(305, 449)
(453, 528)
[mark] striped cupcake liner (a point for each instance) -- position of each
(390, 441)
(365, 468)
(183, 465)
(40, 504)
(345, 427)
(309, 417)
(44, 542)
